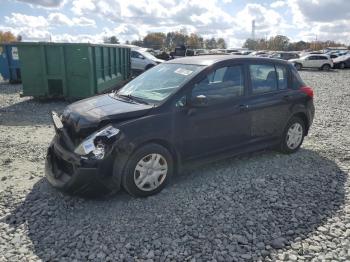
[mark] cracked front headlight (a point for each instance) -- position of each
(96, 142)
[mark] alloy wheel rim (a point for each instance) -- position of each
(150, 172)
(294, 135)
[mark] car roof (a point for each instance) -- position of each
(318, 55)
(207, 60)
(285, 52)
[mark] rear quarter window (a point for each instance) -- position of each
(282, 77)
(297, 82)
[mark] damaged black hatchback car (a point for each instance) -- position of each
(182, 111)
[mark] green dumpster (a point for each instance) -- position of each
(72, 70)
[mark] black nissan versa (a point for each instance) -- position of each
(181, 111)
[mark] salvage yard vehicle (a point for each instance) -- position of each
(182, 51)
(323, 62)
(342, 61)
(285, 55)
(260, 53)
(141, 60)
(182, 111)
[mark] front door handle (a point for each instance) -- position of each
(191, 111)
(243, 107)
(286, 97)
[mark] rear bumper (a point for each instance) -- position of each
(311, 112)
(73, 174)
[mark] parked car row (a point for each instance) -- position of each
(285, 55)
(324, 60)
(141, 60)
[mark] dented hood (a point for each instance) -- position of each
(90, 112)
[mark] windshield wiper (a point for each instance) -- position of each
(124, 96)
(133, 98)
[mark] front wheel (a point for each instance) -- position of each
(293, 136)
(326, 67)
(342, 65)
(148, 170)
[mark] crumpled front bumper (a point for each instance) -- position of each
(73, 174)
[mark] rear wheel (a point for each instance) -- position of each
(293, 136)
(298, 66)
(326, 67)
(148, 170)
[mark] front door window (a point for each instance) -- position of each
(221, 85)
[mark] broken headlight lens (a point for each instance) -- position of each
(95, 143)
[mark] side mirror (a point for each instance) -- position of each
(141, 57)
(199, 101)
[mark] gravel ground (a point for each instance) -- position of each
(258, 207)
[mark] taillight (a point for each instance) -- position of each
(308, 91)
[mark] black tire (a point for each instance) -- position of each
(284, 148)
(298, 66)
(128, 180)
(342, 65)
(148, 67)
(326, 67)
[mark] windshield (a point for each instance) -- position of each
(148, 55)
(159, 82)
(278, 55)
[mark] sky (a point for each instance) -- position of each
(91, 20)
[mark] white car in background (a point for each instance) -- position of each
(342, 61)
(141, 60)
(319, 61)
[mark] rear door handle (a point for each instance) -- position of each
(243, 107)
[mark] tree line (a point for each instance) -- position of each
(283, 43)
(168, 41)
(8, 37)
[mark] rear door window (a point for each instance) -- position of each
(263, 78)
(313, 58)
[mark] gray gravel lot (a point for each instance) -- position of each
(258, 207)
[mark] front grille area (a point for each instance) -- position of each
(60, 165)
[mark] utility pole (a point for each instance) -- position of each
(253, 29)
(315, 46)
